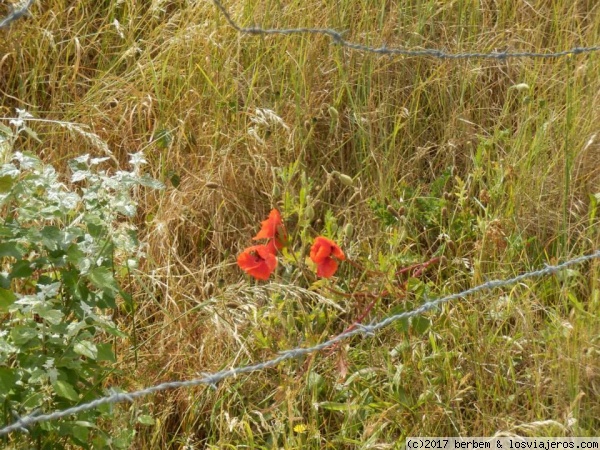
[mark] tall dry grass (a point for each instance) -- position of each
(515, 166)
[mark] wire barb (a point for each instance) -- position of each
(338, 39)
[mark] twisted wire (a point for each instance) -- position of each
(338, 39)
(16, 14)
(211, 379)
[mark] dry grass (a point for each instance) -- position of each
(511, 173)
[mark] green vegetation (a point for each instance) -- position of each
(488, 167)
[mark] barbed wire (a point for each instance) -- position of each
(16, 14)
(338, 39)
(211, 379)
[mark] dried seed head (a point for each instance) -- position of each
(392, 211)
(450, 245)
(484, 197)
(209, 289)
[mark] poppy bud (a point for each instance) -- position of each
(349, 230)
(333, 112)
(346, 180)
(276, 192)
(521, 87)
(309, 213)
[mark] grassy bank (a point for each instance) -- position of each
(492, 164)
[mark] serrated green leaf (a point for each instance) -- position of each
(87, 349)
(148, 181)
(22, 334)
(6, 131)
(75, 254)
(96, 230)
(85, 423)
(4, 281)
(402, 325)
(21, 269)
(65, 390)
(145, 419)
(7, 298)
(51, 237)
(105, 353)
(116, 332)
(124, 439)
(32, 134)
(102, 278)
(10, 249)
(80, 433)
(421, 324)
(6, 184)
(34, 401)
(8, 379)
(106, 300)
(163, 138)
(53, 316)
(414, 285)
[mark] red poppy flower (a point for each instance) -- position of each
(273, 229)
(257, 261)
(325, 254)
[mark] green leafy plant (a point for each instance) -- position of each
(62, 249)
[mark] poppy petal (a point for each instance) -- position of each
(327, 268)
(269, 226)
(338, 253)
(319, 253)
(257, 261)
(272, 246)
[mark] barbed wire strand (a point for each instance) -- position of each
(338, 39)
(16, 14)
(211, 379)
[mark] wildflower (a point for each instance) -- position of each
(258, 261)
(273, 229)
(300, 428)
(325, 254)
